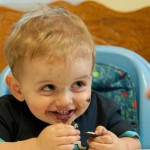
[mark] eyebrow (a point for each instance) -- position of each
(85, 76)
(44, 81)
(47, 81)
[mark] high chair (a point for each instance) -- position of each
(134, 65)
(139, 70)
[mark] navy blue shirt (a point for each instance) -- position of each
(17, 122)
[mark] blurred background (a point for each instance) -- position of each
(120, 5)
(123, 23)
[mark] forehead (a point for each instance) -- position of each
(56, 71)
(63, 62)
(55, 56)
(67, 54)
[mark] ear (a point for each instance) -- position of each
(14, 87)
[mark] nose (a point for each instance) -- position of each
(63, 99)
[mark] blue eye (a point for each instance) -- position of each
(49, 87)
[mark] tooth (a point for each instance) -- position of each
(62, 112)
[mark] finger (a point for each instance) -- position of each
(90, 148)
(106, 139)
(67, 132)
(63, 129)
(68, 140)
(101, 130)
(64, 126)
(66, 147)
(99, 146)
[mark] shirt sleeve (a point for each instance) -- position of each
(130, 134)
(109, 116)
(1, 140)
(120, 126)
(6, 121)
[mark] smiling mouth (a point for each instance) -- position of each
(63, 115)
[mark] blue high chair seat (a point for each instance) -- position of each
(139, 70)
(3, 87)
(116, 84)
(135, 66)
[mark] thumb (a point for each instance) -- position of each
(101, 130)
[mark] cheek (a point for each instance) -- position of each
(37, 108)
(37, 105)
(82, 101)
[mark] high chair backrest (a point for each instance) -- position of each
(137, 68)
(3, 87)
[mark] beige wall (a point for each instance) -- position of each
(125, 5)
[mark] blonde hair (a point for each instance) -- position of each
(52, 31)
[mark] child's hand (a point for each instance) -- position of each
(58, 137)
(107, 140)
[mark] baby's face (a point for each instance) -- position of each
(56, 92)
